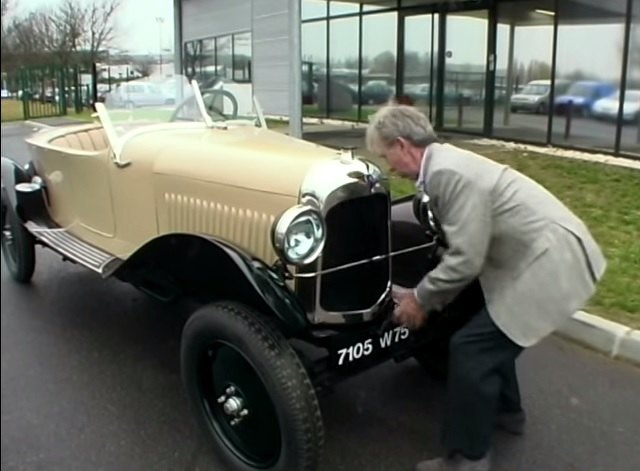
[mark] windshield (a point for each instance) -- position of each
(535, 90)
(132, 105)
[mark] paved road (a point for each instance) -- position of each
(90, 380)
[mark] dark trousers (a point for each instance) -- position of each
(482, 381)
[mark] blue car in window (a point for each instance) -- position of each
(582, 95)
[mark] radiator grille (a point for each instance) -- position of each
(357, 229)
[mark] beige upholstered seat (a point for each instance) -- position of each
(87, 140)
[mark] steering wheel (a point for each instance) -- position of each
(213, 102)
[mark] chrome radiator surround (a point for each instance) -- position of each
(326, 186)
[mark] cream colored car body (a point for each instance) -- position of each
(182, 177)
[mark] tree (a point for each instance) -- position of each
(100, 27)
(538, 70)
(145, 65)
(577, 75)
(72, 33)
(385, 62)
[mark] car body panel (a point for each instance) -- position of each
(535, 95)
(608, 107)
(583, 94)
(239, 174)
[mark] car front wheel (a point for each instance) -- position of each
(18, 245)
(249, 390)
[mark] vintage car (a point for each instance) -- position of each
(291, 250)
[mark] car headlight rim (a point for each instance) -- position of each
(283, 231)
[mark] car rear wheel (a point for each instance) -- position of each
(249, 390)
(18, 245)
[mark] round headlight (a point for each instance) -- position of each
(299, 235)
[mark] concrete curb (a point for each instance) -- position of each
(613, 339)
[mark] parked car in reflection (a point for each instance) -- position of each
(138, 93)
(534, 97)
(376, 92)
(452, 95)
(581, 96)
(419, 93)
(607, 108)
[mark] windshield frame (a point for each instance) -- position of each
(202, 119)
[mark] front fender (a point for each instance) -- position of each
(207, 269)
(12, 174)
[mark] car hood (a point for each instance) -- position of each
(244, 156)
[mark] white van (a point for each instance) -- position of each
(534, 97)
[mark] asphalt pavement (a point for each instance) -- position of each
(90, 380)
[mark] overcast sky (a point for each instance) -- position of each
(138, 30)
(594, 49)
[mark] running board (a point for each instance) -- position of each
(73, 248)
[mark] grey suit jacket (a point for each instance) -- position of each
(536, 261)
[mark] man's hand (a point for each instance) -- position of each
(408, 311)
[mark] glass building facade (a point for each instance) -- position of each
(560, 72)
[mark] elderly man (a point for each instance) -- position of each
(536, 263)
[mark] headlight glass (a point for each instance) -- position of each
(299, 235)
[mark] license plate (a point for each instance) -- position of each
(360, 349)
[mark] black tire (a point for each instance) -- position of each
(18, 245)
(231, 346)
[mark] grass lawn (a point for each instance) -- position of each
(12, 111)
(607, 198)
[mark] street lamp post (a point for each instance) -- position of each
(160, 21)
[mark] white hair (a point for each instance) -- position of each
(393, 121)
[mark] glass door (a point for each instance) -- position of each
(465, 65)
(419, 61)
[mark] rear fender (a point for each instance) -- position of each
(206, 269)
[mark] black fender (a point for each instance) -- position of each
(206, 269)
(29, 205)
(12, 174)
(407, 269)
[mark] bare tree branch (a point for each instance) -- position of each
(100, 26)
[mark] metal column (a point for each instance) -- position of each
(295, 78)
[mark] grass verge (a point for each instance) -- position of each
(12, 110)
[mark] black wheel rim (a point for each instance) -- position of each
(238, 406)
